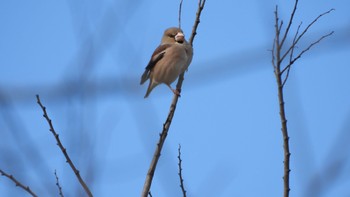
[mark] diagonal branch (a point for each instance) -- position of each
(289, 23)
(19, 184)
(64, 151)
(309, 47)
(201, 4)
(166, 125)
(305, 30)
(292, 60)
(290, 57)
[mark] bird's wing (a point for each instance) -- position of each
(157, 55)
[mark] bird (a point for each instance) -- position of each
(170, 59)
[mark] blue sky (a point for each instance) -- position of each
(85, 60)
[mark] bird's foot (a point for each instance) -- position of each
(177, 92)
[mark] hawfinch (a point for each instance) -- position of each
(170, 59)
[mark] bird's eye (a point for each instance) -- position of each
(171, 35)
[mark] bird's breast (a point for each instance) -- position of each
(171, 65)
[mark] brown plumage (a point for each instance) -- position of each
(171, 58)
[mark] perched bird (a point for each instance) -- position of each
(171, 58)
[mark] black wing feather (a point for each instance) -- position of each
(157, 55)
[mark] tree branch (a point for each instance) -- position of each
(289, 23)
(19, 184)
(180, 8)
(58, 185)
(290, 57)
(309, 47)
(64, 151)
(305, 30)
(180, 172)
(166, 125)
(277, 60)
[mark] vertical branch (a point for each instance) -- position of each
(180, 9)
(284, 130)
(279, 69)
(19, 184)
(166, 125)
(180, 172)
(277, 46)
(276, 56)
(63, 149)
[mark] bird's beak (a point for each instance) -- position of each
(180, 37)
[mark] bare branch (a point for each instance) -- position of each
(291, 62)
(305, 30)
(201, 4)
(309, 47)
(58, 185)
(277, 60)
(289, 23)
(180, 173)
(286, 77)
(276, 45)
(290, 57)
(64, 151)
(180, 8)
(166, 125)
(19, 184)
(292, 47)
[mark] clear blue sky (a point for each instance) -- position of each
(85, 60)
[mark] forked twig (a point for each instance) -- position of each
(279, 70)
(305, 30)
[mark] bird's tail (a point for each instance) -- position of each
(145, 76)
(151, 85)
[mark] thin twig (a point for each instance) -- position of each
(276, 46)
(150, 194)
(309, 47)
(290, 57)
(289, 23)
(305, 30)
(180, 9)
(180, 173)
(291, 62)
(201, 4)
(58, 185)
(64, 151)
(166, 125)
(19, 184)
